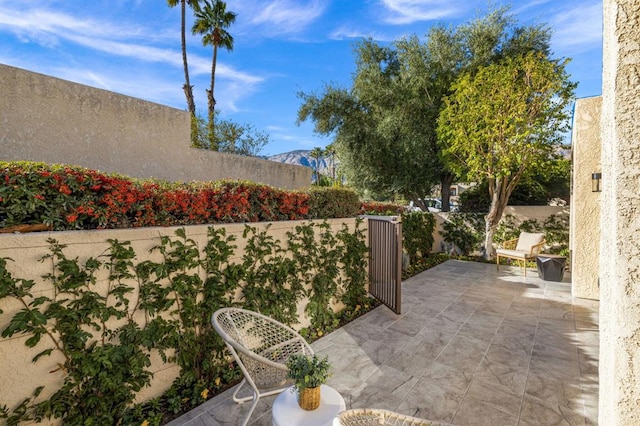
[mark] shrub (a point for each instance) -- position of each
(381, 209)
(325, 202)
(417, 234)
(463, 231)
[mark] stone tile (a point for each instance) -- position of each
(428, 343)
(517, 327)
(385, 389)
(488, 348)
(496, 396)
(446, 322)
(481, 325)
(431, 402)
(511, 377)
(409, 324)
(473, 412)
(536, 412)
(445, 377)
(463, 353)
(413, 364)
(379, 350)
(554, 390)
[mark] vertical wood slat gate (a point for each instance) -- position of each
(385, 260)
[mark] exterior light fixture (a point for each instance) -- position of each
(595, 182)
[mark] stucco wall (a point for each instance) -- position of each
(620, 216)
(585, 209)
(18, 375)
(55, 121)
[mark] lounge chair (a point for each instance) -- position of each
(524, 248)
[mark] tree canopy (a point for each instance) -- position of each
(385, 124)
(504, 121)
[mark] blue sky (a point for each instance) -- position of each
(281, 47)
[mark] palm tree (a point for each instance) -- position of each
(316, 153)
(212, 19)
(187, 87)
(330, 151)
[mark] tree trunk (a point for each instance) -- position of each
(499, 190)
(213, 144)
(445, 191)
(187, 87)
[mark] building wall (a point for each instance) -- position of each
(55, 121)
(619, 367)
(585, 204)
(18, 373)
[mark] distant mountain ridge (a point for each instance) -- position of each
(301, 157)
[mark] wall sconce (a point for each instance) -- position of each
(595, 182)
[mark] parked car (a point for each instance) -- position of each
(434, 205)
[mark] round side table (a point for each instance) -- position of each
(287, 412)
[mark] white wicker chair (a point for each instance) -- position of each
(261, 346)
(375, 417)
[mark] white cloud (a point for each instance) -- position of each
(348, 32)
(409, 11)
(278, 17)
(578, 28)
(50, 29)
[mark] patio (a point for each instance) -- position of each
(472, 347)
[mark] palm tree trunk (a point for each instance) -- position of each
(213, 144)
(188, 89)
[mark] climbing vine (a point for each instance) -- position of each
(105, 329)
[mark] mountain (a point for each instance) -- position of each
(301, 157)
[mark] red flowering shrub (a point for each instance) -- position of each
(380, 209)
(66, 197)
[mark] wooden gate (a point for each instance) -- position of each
(385, 260)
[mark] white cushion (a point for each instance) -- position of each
(520, 254)
(528, 240)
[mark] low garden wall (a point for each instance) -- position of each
(19, 374)
(514, 214)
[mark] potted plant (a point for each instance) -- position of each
(308, 373)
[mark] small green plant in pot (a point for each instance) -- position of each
(308, 373)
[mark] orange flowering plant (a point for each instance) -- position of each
(68, 197)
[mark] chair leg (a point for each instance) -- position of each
(256, 398)
(524, 264)
(497, 262)
(246, 398)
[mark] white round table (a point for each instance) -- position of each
(287, 412)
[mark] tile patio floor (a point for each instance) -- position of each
(472, 347)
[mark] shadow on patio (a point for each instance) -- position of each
(472, 347)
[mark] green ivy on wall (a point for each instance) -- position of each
(106, 331)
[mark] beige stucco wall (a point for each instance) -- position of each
(619, 367)
(55, 121)
(585, 209)
(18, 375)
(519, 213)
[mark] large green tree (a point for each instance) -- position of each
(503, 122)
(187, 87)
(212, 21)
(385, 124)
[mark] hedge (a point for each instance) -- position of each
(63, 197)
